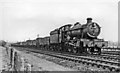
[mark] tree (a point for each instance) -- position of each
(2, 43)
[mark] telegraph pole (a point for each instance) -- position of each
(37, 35)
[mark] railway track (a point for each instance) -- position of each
(107, 58)
(111, 53)
(102, 56)
(92, 60)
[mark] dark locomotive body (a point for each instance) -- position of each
(74, 39)
(78, 38)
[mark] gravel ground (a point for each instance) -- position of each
(40, 64)
(65, 63)
(69, 64)
(4, 60)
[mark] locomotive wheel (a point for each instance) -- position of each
(60, 48)
(69, 50)
(99, 50)
(92, 50)
(88, 50)
(75, 50)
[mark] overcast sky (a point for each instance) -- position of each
(24, 19)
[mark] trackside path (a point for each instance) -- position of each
(0, 59)
(4, 60)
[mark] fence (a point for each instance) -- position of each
(17, 62)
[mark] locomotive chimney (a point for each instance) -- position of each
(89, 20)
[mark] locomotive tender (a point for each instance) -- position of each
(75, 38)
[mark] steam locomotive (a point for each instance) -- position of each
(77, 39)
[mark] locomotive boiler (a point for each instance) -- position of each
(90, 30)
